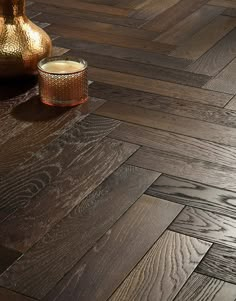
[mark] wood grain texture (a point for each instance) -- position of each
(93, 221)
(225, 80)
(106, 38)
(18, 187)
(174, 14)
(159, 87)
(213, 61)
(154, 278)
(46, 124)
(220, 263)
(168, 122)
(224, 3)
(6, 295)
(144, 70)
(200, 288)
(202, 41)
(132, 55)
(194, 194)
(7, 257)
(185, 167)
(177, 144)
(207, 225)
(165, 104)
(187, 27)
(68, 191)
(93, 7)
(126, 239)
(94, 16)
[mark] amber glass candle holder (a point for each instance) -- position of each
(63, 81)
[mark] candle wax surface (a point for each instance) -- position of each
(62, 66)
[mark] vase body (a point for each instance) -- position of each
(22, 43)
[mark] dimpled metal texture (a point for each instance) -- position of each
(22, 43)
(63, 89)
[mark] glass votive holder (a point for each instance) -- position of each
(63, 81)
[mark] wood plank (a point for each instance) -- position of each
(6, 295)
(92, 7)
(225, 80)
(141, 69)
(200, 287)
(173, 15)
(185, 167)
(126, 239)
(94, 16)
(177, 144)
(194, 194)
(187, 27)
(19, 186)
(165, 104)
(62, 249)
(82, 24)
(231, 105)
(224, 3)
(154, 278)
(7, 257)
(46, 124)
(106, 38)
(206, 225)
(133, 55)
(148, 10)
(124, 186)
(168, 122)
(213, 61)
(220, 263)
(206, 38)
(159, 87)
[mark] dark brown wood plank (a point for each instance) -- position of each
(177, 144)
(185, 167)
(220, 262)
(168, 122)
(154, 278)
(94, 16)
(19, 186)
(46, 124)
(92, 7)
(141, 69)
(64, 245)
(106, 38)
(194, 194)
(187, 27)
(7, 257)
(206, 225)
(69, 190)
(6, 295)
(203, 40)
(165, 104)
(174, 14)
(82, 24)
(159, 87)
(126, 239)
(132, 55)
(200, 287)
(213, 61)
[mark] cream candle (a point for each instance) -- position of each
(63, 81)
(63, 66)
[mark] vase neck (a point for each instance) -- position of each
(12, 8)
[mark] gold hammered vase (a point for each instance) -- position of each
(22, 43)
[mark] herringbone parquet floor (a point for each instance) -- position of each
(131, 197)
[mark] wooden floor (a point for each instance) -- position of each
(131, 197)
